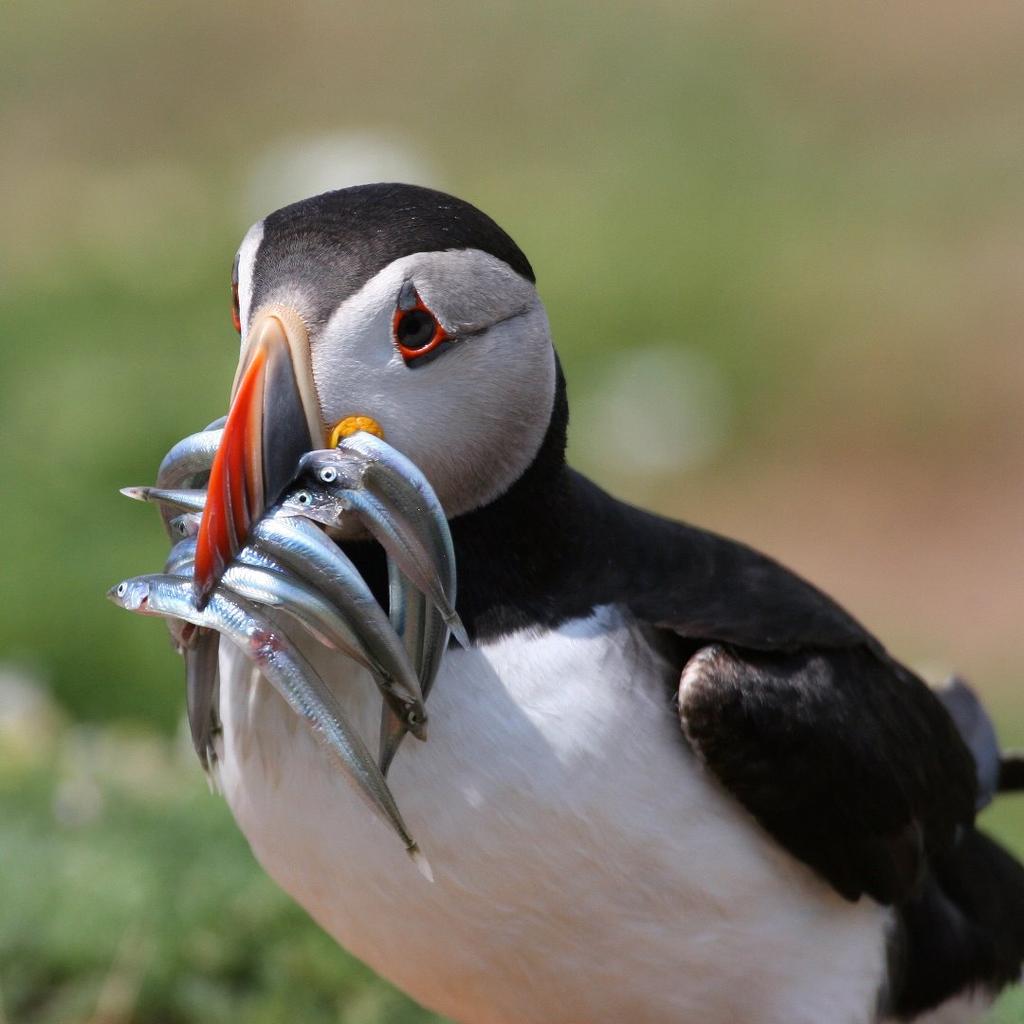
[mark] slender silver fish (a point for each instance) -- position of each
(189, 459)
(189, 500)
(425, 636)
(304, 550)
(400, 483)
(399, 487)
(404, 534)
(397, 504)
(283, 665)
(187, 464)
(269, 587)
(282, 588)
(265, 586)
(183, 634)
(201, 650)
(327, 503)
(180, 557)
(421, 626)
(323, 506)
(201, 655)
(183, 470)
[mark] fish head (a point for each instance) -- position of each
(130, 594)
(184, 526)
(314, 503)
(332, 469)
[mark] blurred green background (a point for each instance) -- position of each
(781, 248)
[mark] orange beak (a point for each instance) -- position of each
(273, 420)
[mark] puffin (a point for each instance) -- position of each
(668, 780)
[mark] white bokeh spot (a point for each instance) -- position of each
(654, 412)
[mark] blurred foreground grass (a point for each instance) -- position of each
(127, 894)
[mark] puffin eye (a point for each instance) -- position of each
(417, 331)
(236, 316)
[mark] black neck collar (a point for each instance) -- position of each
(511, 552)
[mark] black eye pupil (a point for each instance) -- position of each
(416, 329)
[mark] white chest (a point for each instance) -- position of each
(585, 868)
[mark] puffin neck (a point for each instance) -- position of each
(513, 519)
(511, 552)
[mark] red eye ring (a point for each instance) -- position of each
(418, 324)
(236, 316)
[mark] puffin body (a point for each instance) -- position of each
(585, 869)
(669, 780)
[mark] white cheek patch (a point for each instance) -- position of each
(246, 262)
(474, 417)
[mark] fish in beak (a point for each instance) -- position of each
(273, 420)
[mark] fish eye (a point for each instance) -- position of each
(122, 589)
(328, 474)
(303, 498)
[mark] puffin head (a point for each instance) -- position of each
(389, 307)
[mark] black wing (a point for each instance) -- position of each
(851, 764)
(843, 755)
(846, 757)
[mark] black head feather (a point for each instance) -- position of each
(338, 240)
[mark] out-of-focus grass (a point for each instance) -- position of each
(128, 894)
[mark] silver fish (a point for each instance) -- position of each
(398, 486)
(423, 630)
(180, 557)
(403, 536)
(184, 500)
(202, 655)
(201, 650)
(332, 503)
(304, 550)
(425, 636)
(185, 466)
(268, 587)
(283, 665)
(411, 556)
(404, 507)
(315, 502)
(399, 482)
(188, 463)
(189, 458)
